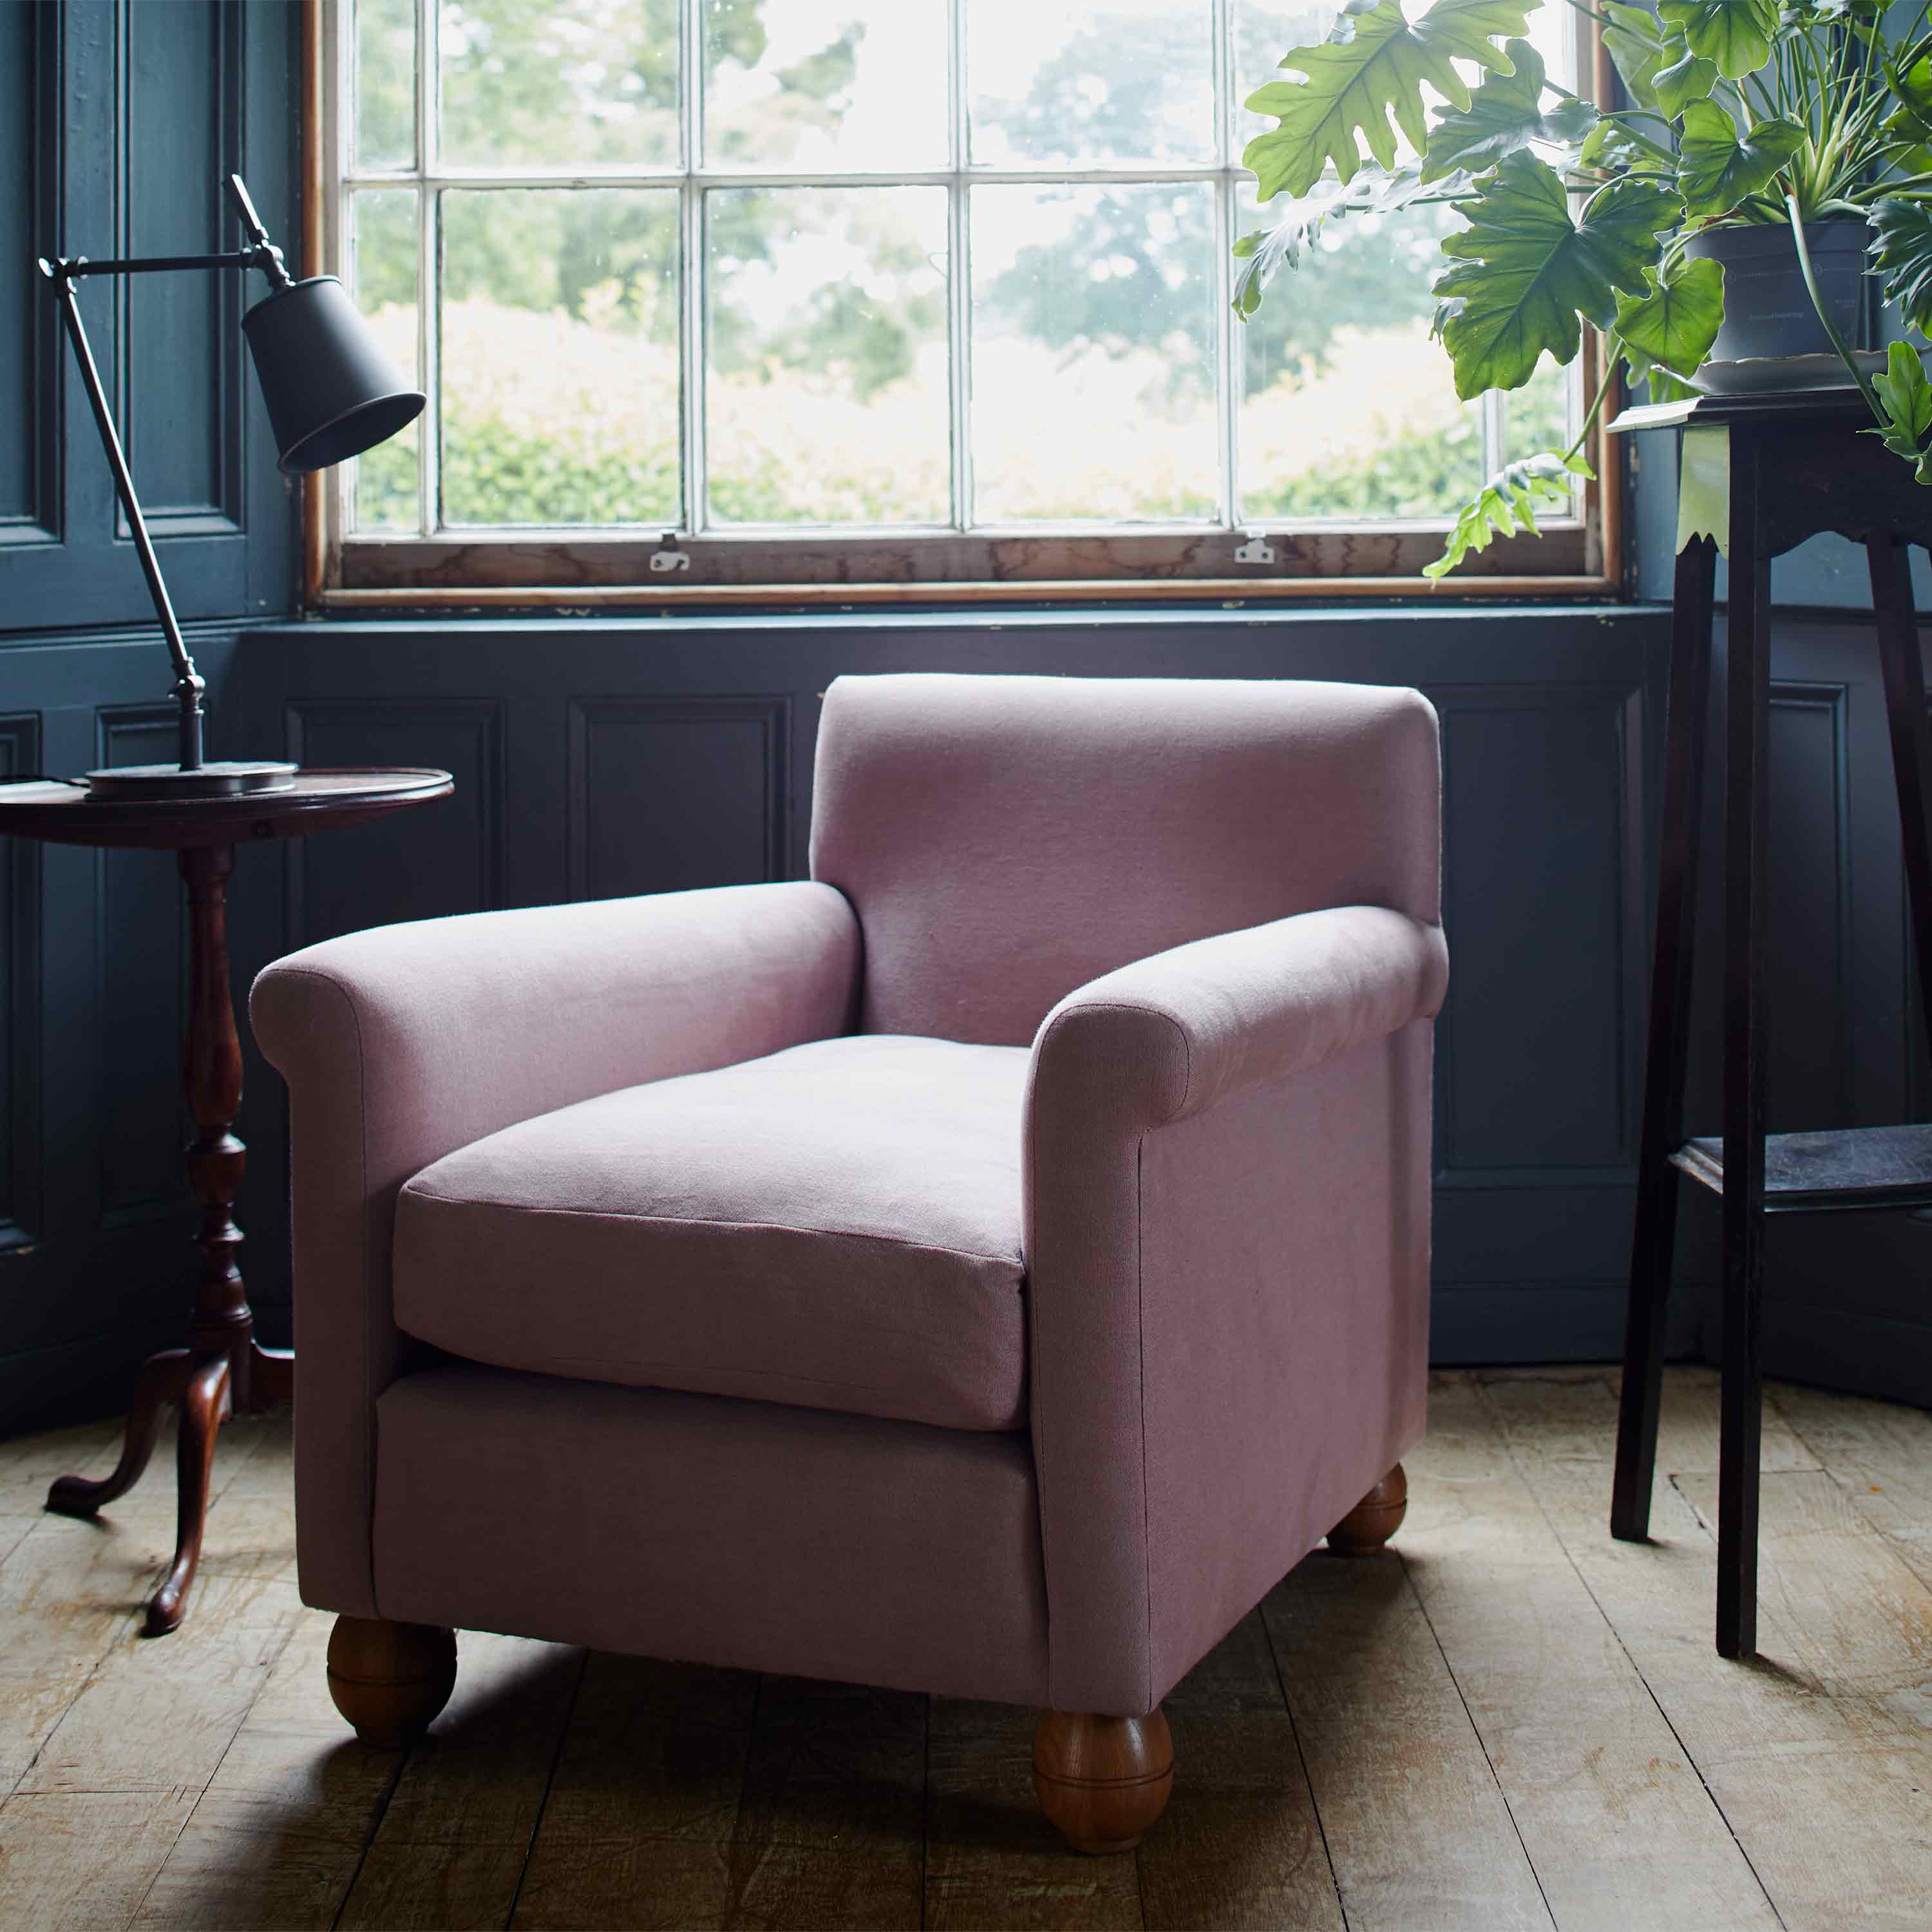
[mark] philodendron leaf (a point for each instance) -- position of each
(1664, 387)
(1901, 245)
(1689, 78)
(1621, 149)
(1524, 270)
(1636, 46)
(1716, 167)
(1262, 253)
(1862, 16)
(1735, 33)
(1913, 86)
(1504, 115)
(1373, 65)
(1912, 119)
(1674, 325)
(1905, 396)
(1507, 501)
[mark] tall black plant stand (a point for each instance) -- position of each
(1762, 474)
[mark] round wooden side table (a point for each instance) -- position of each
(224, 1371)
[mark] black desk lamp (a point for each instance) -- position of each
(331, 394)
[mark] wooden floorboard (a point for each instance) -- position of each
(1829, 1797)
(276, 1840)
(1508, 1720)
(991, 1859)
(1414, 1825)
(456, 1833)
(1241, 1842)
(1525, 1639)
(1880, 1455)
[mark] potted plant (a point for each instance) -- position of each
(1723, 220)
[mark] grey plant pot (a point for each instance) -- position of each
(1768, 311)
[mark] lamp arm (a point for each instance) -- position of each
(189, 684)
(149, 265)
(261, 253)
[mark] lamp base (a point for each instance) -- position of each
(227, 779)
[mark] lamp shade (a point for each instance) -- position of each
(331, 391)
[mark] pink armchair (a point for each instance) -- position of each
(984, 1270)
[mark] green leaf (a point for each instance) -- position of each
(1862, 16)
(1674, 325)
(1664, 387)
(1508, 500)
(1374, 64)
(1523, 271)
(1265, 252)
(1689, 78)
(1716, 168)
(1505, 115)
(1635, 46)
(1902, 247)
(1615, 143)
(1735, 33)
(1913, 86)
(1912, 120)
(1905, 396)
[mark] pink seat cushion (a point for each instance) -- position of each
(836, 1226)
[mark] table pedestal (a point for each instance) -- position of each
(224, 1371)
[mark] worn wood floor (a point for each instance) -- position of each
(1511, 1721)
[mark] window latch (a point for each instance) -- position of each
(669, 557)
(1256, 550)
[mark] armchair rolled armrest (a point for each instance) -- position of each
(404, 1043)
(1170, 1035)
(1227, 1216)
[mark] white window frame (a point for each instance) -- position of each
(959, 560)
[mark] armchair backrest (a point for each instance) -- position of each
(1004, 840)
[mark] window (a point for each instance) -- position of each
(711, 296)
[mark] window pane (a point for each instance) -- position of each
(385, 83)
(1348, 408)
(550, 83)
(858, 84)
(1538, 416)
(382, 486)
(1093, 353)
(1129, 81)
(559, 332)
(827, 399)
(1553, 31)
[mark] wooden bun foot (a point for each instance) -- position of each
(1102, 1781)
(390, 1680)
(1374, 1520)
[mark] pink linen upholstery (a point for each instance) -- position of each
(403, 1043)
(1227, 1239)
(712, 1531)
(1004, 840)
(836, 1225)
(1213, 910)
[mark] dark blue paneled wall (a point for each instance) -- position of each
(118, 119)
